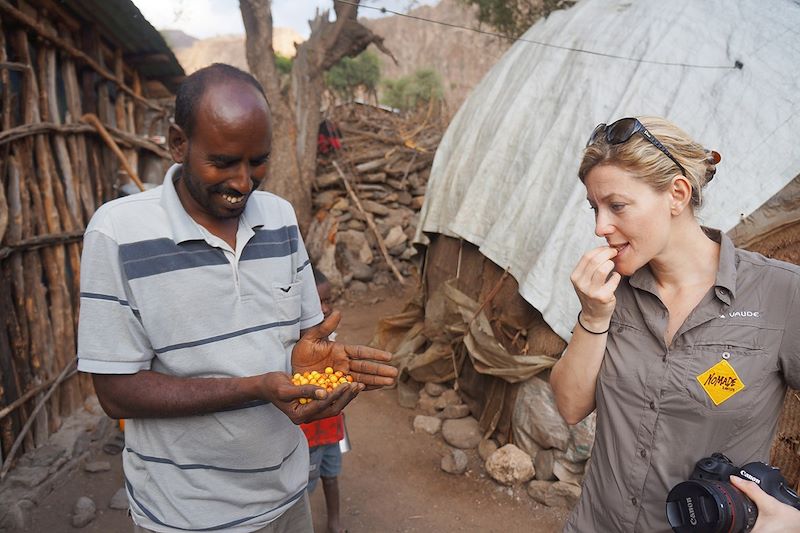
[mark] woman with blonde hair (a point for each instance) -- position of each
(684, 344)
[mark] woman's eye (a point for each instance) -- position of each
(617, 207)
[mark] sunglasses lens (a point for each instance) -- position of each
(622, 130)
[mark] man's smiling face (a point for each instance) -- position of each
(226, 157)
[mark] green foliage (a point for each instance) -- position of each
(514, 17)
(352, 73)
(412, 91)
(283, 63)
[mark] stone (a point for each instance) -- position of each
(119, 500)
(81, 444)
(382, 278)
(375, 208)
(434, 389)
(83, 512)
(43, 456)
(405, 198)
(536, 418)
(455, 462)
(326, 180)
(426, 404)
(365, 254)
(27, 477)
(563, 473)
(361, 271)
(356, 225)
(537, 489)
(397, 251)
(462, 433)
(427, 424)
(417, 201)
(448, 397)
(17, 515)
(351, 240)
(455, 411)
(358, 287)
(509, 465)
(101, 429)
(375, 177)
(407, 395)
(486, 447)
(561, 494)
(341, 204)
(97, 466)
(395, 237)
(543, 462)
(325, 199)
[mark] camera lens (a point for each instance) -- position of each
(705, 506)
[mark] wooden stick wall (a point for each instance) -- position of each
(54, 173)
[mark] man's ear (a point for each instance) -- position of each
(680, 194)
(178, 143)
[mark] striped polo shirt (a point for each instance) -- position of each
(159, 292)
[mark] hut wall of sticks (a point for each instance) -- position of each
(85, 94)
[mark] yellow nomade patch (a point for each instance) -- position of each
(720, 382)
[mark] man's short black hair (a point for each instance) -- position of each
(193, 87)
(319, 277)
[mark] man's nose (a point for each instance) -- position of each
(242, 181)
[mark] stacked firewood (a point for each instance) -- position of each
(368, 194)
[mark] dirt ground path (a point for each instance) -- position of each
(390, 482)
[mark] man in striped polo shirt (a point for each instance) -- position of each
(197, 302)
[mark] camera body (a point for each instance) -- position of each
(707, 502)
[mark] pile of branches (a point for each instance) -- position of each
(368, 193)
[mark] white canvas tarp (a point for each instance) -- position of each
(505, 174)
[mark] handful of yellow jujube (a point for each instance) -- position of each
(328, 380)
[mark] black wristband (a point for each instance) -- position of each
(587, 330)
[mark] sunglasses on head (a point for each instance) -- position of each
(622, 130)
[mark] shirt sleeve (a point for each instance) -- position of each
(111, 337)
(789, 353)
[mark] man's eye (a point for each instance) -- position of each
(222, 164)
(260, 161)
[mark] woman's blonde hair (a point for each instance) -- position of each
(648, 163)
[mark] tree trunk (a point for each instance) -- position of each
(284, 173)
(296, 122)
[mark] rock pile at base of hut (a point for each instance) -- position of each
(547, 457)
(368, 194)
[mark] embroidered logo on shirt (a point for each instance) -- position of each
(741, 314)
(720, 382)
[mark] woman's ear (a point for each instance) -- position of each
(680, 194)
(178, 143)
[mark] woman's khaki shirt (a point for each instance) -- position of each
(719, 387)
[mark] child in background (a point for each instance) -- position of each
(324, 436)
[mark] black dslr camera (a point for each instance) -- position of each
(709, 503)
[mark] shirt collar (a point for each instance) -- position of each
(184, 227)
(725, 282)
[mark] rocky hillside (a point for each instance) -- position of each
(459, 56)
(198, 53)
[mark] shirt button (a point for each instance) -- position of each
(652, 405)
(634, 501)
(643, 453)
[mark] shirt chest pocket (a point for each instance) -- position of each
(726, 377)
(286, 298)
